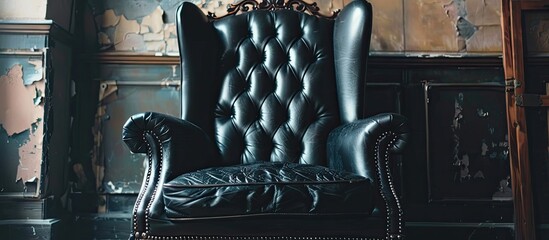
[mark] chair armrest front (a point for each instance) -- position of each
(365, 147)
(179, 144)
(173, 146)
(356, 146)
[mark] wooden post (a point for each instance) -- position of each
(513, 64)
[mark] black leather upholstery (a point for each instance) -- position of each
(272, 133)
(277, 90)
(267, 189)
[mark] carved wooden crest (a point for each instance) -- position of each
(271, 5)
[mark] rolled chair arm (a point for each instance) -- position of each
(173, 147)
(366, 147)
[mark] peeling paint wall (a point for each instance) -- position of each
(454, 26)
(10, 9)
(125, 90)
(477, 24)
(126, 26)
(148, 25)
(21, 114)
(404, 27)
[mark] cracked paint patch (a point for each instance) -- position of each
(148, 33)
(453, 26)
(35, 74)
(153, 22)
(465, 29)
(456, 10)
(476, 23)
(124, 28)
(30, 156)
(21, 111)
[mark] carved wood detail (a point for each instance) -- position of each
(271, 5)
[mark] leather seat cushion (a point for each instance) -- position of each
(267, 189)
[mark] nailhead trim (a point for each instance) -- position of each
(391, 186)
(142, 193)
(145, 236)
(137, 234)
(147, 210)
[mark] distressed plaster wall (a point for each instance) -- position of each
(404, 27)
(35, 67)
(21, 122)
(437, 26)
(148, 25)
(455, 26)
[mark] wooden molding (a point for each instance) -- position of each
(26, 27)
(373, 61)
(36, 27)
(130, 58)
(418, 61)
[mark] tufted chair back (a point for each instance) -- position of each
(271, 85)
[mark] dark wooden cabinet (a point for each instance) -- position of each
(450, 177)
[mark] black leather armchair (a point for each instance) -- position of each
(272, 142)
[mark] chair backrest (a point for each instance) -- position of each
(270, 85)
